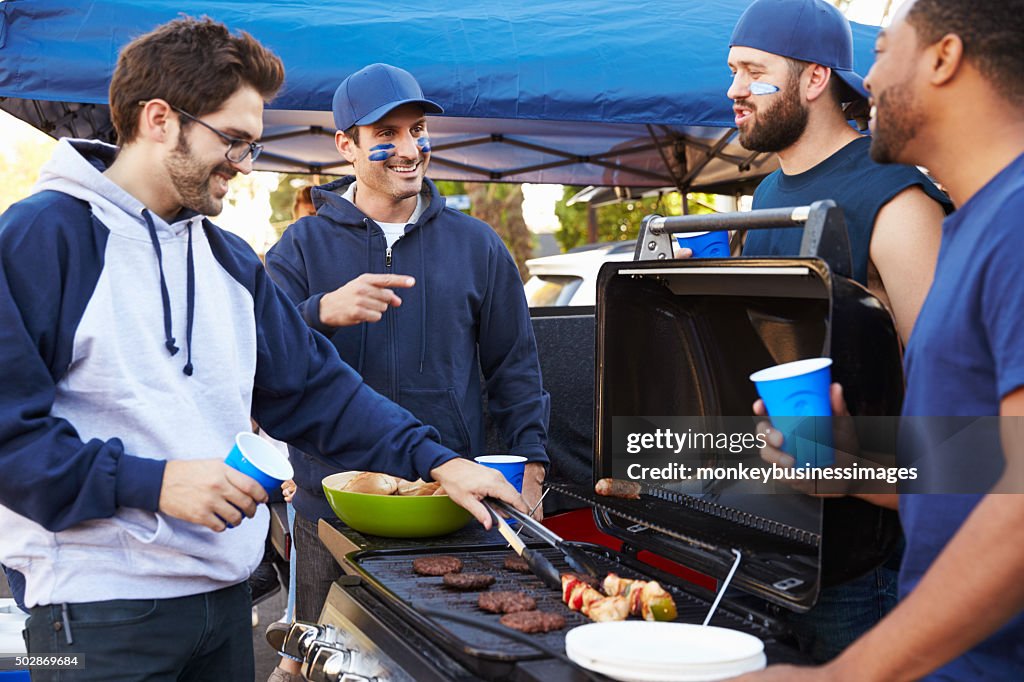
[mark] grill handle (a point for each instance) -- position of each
(825, 234)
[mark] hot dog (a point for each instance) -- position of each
(613, 487)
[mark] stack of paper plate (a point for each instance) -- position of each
(643, 651)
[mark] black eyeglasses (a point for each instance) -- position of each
(238, 148)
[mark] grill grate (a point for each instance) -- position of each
(390, 572)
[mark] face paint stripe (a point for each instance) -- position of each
(763, 89)
(424, 144)
(381, 152)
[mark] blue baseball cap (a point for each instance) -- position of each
(809, 30)
(370, 93)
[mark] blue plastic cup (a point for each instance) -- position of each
(796, 395)
(512, 467)
(705, 244)
(259, 459)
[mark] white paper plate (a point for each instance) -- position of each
(682, 674)
(661, 652)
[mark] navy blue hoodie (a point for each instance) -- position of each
(465, 319)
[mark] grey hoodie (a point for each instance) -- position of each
(118, 385)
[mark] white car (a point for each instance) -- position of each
(571, 278)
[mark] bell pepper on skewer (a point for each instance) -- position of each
(647, 599)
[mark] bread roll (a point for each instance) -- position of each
(372, 483)
(340, 480)
(407, 488)
(439, 491)
(425, 489)
(415, 488)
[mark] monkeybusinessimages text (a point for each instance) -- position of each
(677, 442)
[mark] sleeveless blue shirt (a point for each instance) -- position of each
(858, 185)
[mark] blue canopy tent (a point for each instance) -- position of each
(584, 92)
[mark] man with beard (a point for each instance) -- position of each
(948, 91)
(792, 62)
(136, 340)
(462, 316)
(792, 65)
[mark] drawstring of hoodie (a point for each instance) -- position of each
(190, 303)
(423, 303)
(169, 341)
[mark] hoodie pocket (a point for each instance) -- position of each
(439, 408)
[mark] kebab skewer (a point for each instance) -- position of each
(647, 598)
(579, 596)
(622, 597)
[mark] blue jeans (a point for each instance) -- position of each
(845, 612)
(199, 638)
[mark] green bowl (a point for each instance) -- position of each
(394, 516)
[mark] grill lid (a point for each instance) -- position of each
(680, 338)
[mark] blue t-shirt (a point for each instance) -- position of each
(965, 355)
(858, 185)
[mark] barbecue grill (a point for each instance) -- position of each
(673, 338)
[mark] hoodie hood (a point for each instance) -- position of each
(76, 169)
(328, 202)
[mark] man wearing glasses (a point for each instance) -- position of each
(136, 340)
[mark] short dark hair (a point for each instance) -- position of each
(839, 91)
(193, 64)
(353, 132)
(992, 32)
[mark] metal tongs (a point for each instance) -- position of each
(540, 566)
(577, 559)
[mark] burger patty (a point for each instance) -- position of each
(506, 602)
(514, 562)
(533, 621)
(469, 582)
(437, 565)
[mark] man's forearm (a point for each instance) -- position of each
(957, 604)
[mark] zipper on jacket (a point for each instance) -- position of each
(392, 333)
(388, 251)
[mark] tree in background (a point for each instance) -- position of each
(501, 206)
(19, 169)
(618, 222)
